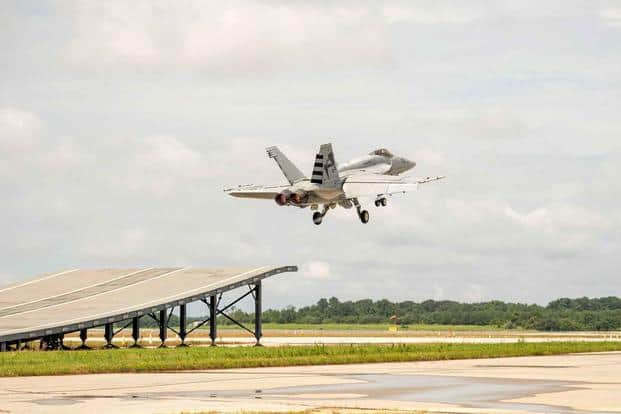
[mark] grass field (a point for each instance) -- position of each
(153, 360)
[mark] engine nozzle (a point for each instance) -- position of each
(282, 199)
(297, 197)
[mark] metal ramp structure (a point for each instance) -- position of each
(52, 305)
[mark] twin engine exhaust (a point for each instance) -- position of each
(287, 197)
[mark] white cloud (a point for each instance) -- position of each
(611, 17)
(243, 36)
(317, 270)
(115, 31)
(65, 155)
(495, 124)
(496, 226)
(118, 244)
(257, 36)
(18, 129)
(168, 153)
(429, 157)
(434, 13)
(159, 165)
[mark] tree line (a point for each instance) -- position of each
(591, 314)
(581, 314)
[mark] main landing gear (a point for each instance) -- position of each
(318, 217)
(363, 215)
(381, 202)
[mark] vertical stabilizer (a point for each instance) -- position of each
(291, 172)
(325, 171)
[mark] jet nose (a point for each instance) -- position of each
(408, 164)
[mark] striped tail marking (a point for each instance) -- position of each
(317, 177)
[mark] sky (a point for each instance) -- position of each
(122, 122)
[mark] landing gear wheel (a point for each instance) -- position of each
(364, 216)
(384, 202)
(317, 218)
(377, 203)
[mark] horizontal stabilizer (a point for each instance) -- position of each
(264, 192)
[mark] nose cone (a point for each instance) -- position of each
(407, 164)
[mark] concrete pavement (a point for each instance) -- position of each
(557, 384)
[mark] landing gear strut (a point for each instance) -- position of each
(318, 217)
(362, 214)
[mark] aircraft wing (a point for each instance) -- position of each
(429, 179)
(266, 192)
(374, 185)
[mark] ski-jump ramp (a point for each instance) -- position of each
(51, 305)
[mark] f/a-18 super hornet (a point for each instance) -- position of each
(376, 176)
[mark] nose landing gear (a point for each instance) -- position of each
(381, 202)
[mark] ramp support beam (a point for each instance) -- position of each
(182, 323)
(136, 330)
(258, 333)
(163, 320)
(83, 338)
(213, 316)
(108, 335)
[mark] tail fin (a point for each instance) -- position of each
(325, 171)
(290, 171)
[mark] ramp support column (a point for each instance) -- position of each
(83, 338)
(136, 330)
(182, 323)
(213, 302)
(108, 334)
(2, 346)
(257, 312)
(163, 319)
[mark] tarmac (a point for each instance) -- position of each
(574, 383)
(275, 341)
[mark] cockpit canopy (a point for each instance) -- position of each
(382, 152)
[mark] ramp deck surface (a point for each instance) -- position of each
(76, 299)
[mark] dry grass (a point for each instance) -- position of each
(198, 358)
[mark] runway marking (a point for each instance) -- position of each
(76, 290)
(92, 296)
(90, 317)
(38, 280)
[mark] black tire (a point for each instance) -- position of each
(317, 218)
(384, 202)
(377, 203)
(364, 216)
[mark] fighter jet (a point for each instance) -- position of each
(376, 176)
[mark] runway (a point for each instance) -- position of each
(575, 383)
(150, 339)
